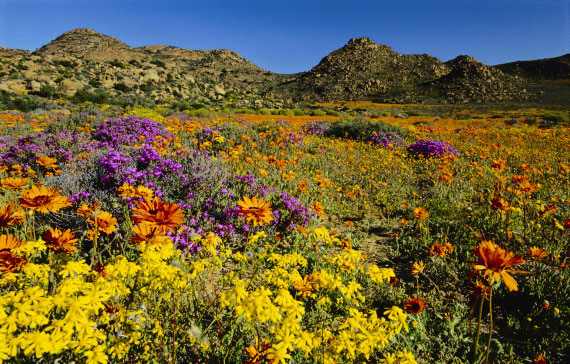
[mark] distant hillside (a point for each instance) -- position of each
(470, 80)
(557, 68)
(84, 65)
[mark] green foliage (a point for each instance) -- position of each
(158, 63)
(360, 129)
(121, 86)
(96, 97)
(318, 112)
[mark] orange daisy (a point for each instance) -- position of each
(495, 261)
(104, 222)
(537, 253)
(156, 213)
(147, 232)
(58, 240)
(415, 305)
(44, 199)
(47, 162)
(14, 183)
(420, 213)
(11, 213)
(8, 262)
(255, 210)
(317, 207)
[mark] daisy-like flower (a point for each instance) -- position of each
(47, 162)
(495, 261)
(417, 267)
(11, 213)
(146, 232)
(14, 183)
(126, 190)
(258, 211)
(440, 250)
(420, 213)
(105, 222)
(43, 199)
(317, 207)
(415, 305)
(58, 240)
(8, 262)
(156, 213)
(88, 210)
(537, 253)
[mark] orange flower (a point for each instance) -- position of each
(526, 186)
(539, 359)
(8, 262)
(257, 352)
(58, 240)
(537, 253)
(47, 162)
(104, 222)
(14, 183)
(255, 210)
(440, 250)
(499, 164)
(499, 203)
(495, 261)
(420, 213)
(88, 210)
(415, 305)
(317, 207)
(417, 267)
(44, 199)
(126, 190)
(146, 232)
(159, 214)
(10, 214)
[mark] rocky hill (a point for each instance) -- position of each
(87, 43)
(541, 69)
(83, 65)
(363, 70)
(470, 80)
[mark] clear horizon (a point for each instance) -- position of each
(294, 36)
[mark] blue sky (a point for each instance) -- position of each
(292, 36)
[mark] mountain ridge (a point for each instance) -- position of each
(83, 59)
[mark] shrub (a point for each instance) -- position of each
(318, 112)
(362, 129)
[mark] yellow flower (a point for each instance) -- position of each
(417, 267)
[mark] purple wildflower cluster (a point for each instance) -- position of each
(389, 141)
(431, 148)
(129, 130)
(315, 128)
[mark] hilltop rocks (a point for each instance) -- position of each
(472, 81)
(87, 43)
(363, 69)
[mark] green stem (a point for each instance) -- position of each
(490, 325)
(476, 346)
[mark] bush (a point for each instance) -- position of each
(362, 129)
(318, 112)
(120, 86)
(556, 117)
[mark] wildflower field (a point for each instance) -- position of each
(163, 238)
